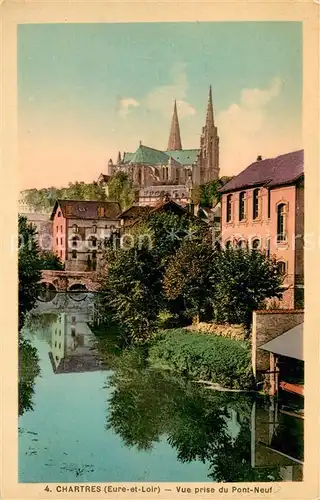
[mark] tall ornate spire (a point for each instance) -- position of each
(174, 138)
(209, 118)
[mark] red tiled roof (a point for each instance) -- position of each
(80, 209)
(284, 169)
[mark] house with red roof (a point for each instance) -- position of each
(78, 230)
(263, 208)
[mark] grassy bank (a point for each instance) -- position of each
(217, 359)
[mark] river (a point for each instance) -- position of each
(89, 417)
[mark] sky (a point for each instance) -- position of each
(86, 91)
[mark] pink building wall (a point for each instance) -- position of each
(265, 227)
(59, 236)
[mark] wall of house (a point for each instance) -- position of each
(59, 235)
(267, 325)
(84, 247)
(264, 228)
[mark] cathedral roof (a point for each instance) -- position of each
(149, 156)
(184, 156)
(127, 157)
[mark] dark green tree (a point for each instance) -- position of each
(209, 193)
(29, 268)
(50, 260)
(189, 276)
(244, 279)
(28, 370)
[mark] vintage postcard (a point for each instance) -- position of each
(159, 300)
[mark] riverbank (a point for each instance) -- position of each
(224, 363)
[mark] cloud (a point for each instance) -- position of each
(244, 129)
(125, 105)
(160, 99)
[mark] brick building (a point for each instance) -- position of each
(263, 207)
(78, 230)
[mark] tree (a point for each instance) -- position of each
(244, 279)
(189, 275)
(50, 260)
(28, 370)
(209, 193)
(133, 290)
(29, 268)
(120, 189)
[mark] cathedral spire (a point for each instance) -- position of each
(174, 142)
(209, 118)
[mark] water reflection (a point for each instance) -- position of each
(135, 423)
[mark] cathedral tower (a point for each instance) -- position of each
(174, 142)
(209, 147)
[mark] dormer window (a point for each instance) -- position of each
(59, 214)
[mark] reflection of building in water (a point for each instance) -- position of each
(277, 439)
(72, 346)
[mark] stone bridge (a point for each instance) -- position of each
(63, 281)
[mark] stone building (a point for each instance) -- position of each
(174, 171)
(263, 208)
(79, 229)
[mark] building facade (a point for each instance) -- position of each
(173, 171)
(79, 229)
(263, 208)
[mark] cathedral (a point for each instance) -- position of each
(174, 172)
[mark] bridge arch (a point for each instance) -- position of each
(48, 291)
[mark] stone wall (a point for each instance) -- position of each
(267, 325)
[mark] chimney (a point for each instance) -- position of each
(259, 158)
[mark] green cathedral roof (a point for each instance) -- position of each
(150, 156)
(184, 156)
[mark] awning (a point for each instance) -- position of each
(288, 344)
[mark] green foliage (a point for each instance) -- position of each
(132, 289)
(50, 260)
(244, 279)
(29, 266)
(28, 370)
(120, 189)
(44, 199)
(217, 359)
(190, 276)
(209, 193)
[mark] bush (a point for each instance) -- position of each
(207, 357)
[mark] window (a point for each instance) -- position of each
(281, 236)
(242, 207)
(74, 254)
(61, 228)
(242, 244)
(281, 267)
(93, 241)
(228, 244)
(57, 228)
(59, 345)
(94, 228)
(59, 214)
(60, 254)
(74, 241)
(55, 344)
(255, 244)
(74, 228)
(60, 241)
(57, 241)
(229, 207)
(101, 212)
(268, 248)
(255, 204)
(269, 203)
